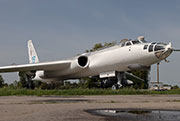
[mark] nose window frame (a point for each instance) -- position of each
(128, 43)
(151, 48)
(159, 48)
(145, 47)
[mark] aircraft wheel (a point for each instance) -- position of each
(114, 87)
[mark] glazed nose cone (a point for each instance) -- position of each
(168, 51)
(164, 53)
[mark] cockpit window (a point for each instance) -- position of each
(158, 47)
(150, 48)
(161, 43)
(145, 47)
(136, 42)
(128, 43)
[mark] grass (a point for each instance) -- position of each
(67, 92)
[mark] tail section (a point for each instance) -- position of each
(33, 58)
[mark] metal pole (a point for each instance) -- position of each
(158, 75)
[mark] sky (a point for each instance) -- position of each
(64, 28)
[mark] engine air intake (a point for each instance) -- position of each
(83, 61)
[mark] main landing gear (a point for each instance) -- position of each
(117, 81)
(121, 79)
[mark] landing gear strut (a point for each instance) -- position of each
(120, 77)
(29, 81)
(26, 80)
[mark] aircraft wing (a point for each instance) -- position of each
(57, 65)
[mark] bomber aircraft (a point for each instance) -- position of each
(109, 62)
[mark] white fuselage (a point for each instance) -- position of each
(115, 58)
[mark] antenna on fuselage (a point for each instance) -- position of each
(141, 38)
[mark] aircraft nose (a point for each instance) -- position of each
(169, 46)
(168, 51)
(165, 52)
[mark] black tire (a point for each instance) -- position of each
(114, 87)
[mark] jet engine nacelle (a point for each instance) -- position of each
(81, 62)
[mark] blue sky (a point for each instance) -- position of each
(64, 28)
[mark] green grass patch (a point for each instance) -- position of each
(68, 92)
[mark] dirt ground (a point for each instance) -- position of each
(70, 108)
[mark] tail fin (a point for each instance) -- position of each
(33, 58)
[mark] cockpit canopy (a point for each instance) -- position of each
(127, 42)
(155, 47)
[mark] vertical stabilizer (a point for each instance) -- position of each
(33, 58)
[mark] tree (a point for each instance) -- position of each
(25, 81)
(1, 81)
(143, 74)
(97, 46)
(22, 83)
(175, 87)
